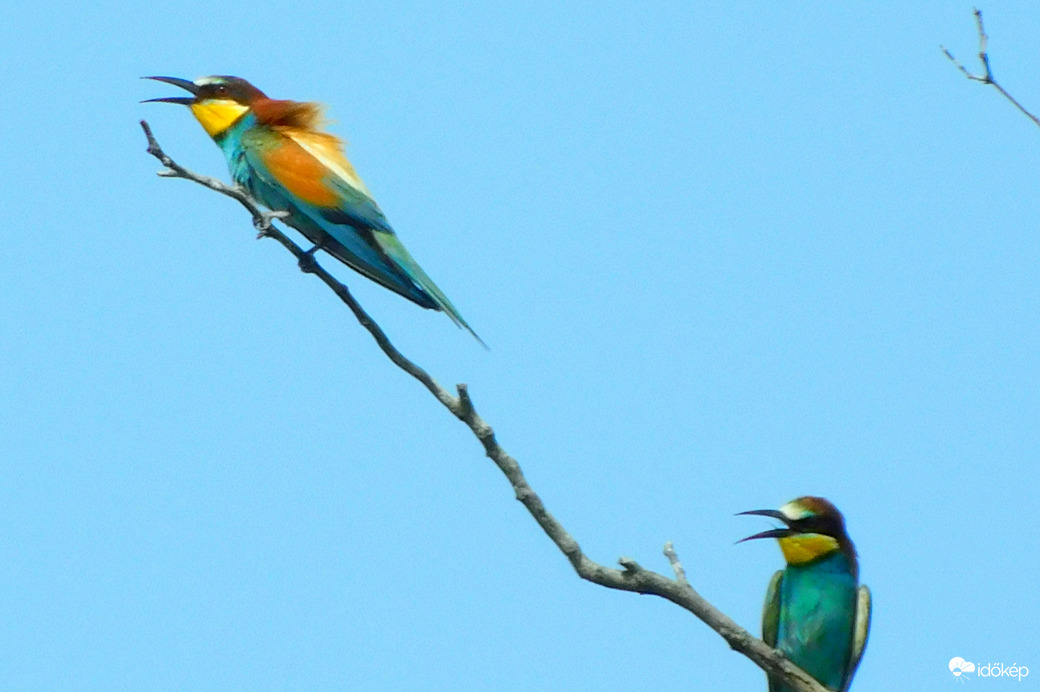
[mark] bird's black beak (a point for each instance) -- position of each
(772, 533)
(176, 81)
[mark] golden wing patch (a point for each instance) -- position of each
(299, 172)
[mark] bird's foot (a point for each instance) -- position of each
(263, 225)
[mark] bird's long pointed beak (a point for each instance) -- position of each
(772, 533)
(771, 513)
(176, 81)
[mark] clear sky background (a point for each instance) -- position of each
(724, 255)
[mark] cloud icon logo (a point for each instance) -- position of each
(958, 666)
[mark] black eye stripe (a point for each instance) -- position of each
(211, 90)
(817, 524)
(231, 88)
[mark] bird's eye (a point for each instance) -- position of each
(221, 90)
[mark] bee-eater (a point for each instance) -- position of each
(276, 150)
(816, 611)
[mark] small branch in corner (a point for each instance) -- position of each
(986, 77)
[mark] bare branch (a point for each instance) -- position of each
(987, 71)
(632, 577)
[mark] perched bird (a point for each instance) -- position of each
(816, 612)
(277, 151)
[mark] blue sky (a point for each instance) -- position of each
(724, 256)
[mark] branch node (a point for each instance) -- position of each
(525, 494)
(307, 263)
(465, 403)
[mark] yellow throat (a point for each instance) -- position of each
(806, 547)
(217, 115)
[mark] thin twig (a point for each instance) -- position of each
(673, 558)
(987, 71)
(632, 577)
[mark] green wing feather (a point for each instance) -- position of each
(395, 250)
(771, 618)
(859, 634)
